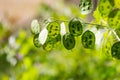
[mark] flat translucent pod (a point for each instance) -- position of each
(105, 6)
(108, 40)
(85, 6)
(36, 41)
(68, 41)
(43, 36)
(57, 40)
(48, 45)
(114, 19)
(115, 50)
(35, 27)
(75, 27)
(107, 46)
(52, 42)
(53, 29)
(88, 39)
(62, 29)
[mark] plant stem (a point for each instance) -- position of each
(116, 35)
(95, 24)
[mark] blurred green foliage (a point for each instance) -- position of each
(21, 60)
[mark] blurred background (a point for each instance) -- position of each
(21, 60)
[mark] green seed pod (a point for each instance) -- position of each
(48, 45)
(35, 27)
(57, 39)
(86, 6)
(53, 29)
(115, 50)
(107, 43)
(88, 39)
(68, 41)
(75, 27)
(36, 41)
(105, 6)
(114, 18)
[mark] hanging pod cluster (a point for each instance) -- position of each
(53, 37)
(50, 36)
(111, 44)
(75, 30)
(111, 13)
(47, 37)
(114, 23)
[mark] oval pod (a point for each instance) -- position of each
(35, 27)
(114, 19)
(85, 6)
(57, 40)
(88, 39)
(75, 27)
(36, 41)
(48, 45)
(43, 36)
(68, 41)
(53, 29)
(107, 43)
(105, 6)
(115, 50)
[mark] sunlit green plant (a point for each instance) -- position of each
(76, 27)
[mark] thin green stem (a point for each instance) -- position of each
(116, 35)
(94, 24)
(47, 20)
(55, 19)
